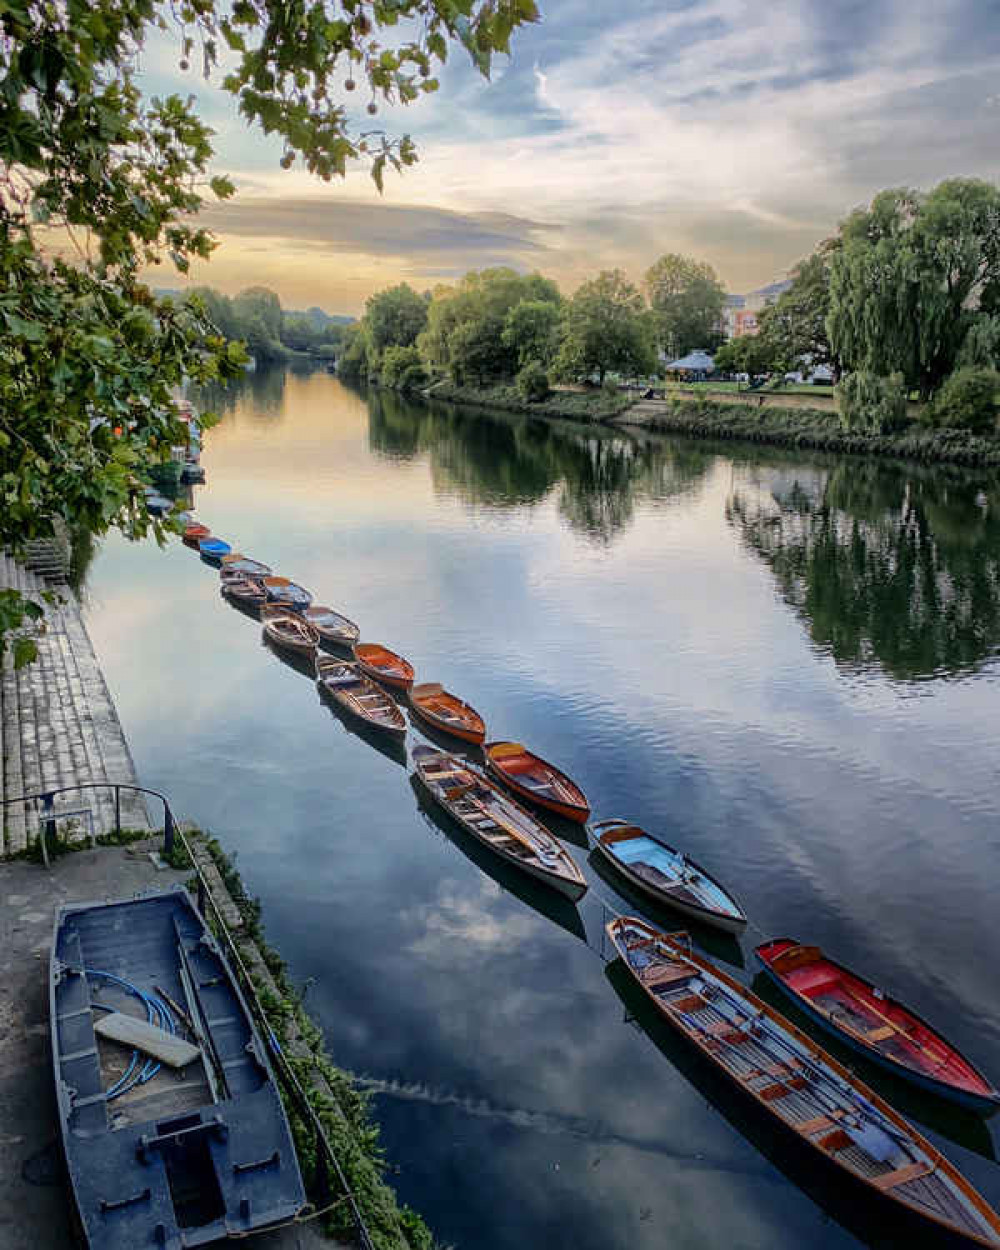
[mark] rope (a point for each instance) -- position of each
(157, 1014)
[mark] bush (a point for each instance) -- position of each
(872, 402)
(402, 369)
(967, 401)
(533, 382)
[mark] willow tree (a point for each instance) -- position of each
(912, 280)
(98, 182)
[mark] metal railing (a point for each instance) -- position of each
(328, 1167)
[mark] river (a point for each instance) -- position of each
(784, 664)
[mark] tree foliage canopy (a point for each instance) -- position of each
(395, 317)
(98, 182)
(913, 277)
(607, 327)
(687, 301)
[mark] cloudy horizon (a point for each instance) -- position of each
(735, 134)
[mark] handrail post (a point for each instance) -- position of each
(168, 829)
(49, 824)
(118, 811)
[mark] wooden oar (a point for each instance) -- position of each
(896, 1028)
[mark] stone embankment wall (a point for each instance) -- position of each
(58, 725)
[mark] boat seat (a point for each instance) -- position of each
(901, 1175)
(881, 1034)
(667, 974)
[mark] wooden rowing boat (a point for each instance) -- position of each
(357, 694)
(213, 549)
(532, 778)
(496, 821)
(194, 534)
(384, 665)
(237, 563)
(280, 590)
(664, 874)
(248, 591)
(332, 627)
(877, 1026)
(288, 630)
(157, 1156)
(447, 712)
(802, 1087)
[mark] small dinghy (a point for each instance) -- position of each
(496, 821)
(236, 563)
(288, 630)
(447, 712)
(161, 1155)
(877, 1026)
(357, 694)
(332, 627)
(384, 665)
(157, 504)
(288, 594)
(194, 534)
(213, 549)
(802, 1087)
(533, 779)
(248, 591)
(667, 876)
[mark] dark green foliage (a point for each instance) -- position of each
(588, 405)
(748, 353)
(607, 328)
(402, 369)
(968, 400)
(867, 401)
(532, 331)
(533, 382)
(394, 317)
(687, 300)
(792, 330)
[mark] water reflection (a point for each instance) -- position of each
(509, 461)
(890, 565)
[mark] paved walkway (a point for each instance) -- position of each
(58, 725)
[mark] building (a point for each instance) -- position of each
(741, 311)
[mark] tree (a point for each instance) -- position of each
(97, 182)
(687, 301)
(402, 369)
(913, 276)
(751, 354)
(533, 382)
(793, 329)
(968, 401)
(607, 327)
(395, 317)
(257, 314)
(466, 323)
(531, 331)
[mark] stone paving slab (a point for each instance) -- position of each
(34, 1205)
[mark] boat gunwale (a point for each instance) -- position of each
(816, 1054)
(273, 614)
(578, 811)
(401, 680)
(397, 726)
(473, 728)
(990, 1097)
(739, 918)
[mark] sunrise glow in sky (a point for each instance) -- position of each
(737, 132)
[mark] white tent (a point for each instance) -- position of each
(693, 362)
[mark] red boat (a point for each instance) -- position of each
(384, 665)
(194, 534)
(877, 1026)
(534, 779)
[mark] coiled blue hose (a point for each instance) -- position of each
(157, 1013)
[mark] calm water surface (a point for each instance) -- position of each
(784, 665)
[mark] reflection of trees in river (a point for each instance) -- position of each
(891, 566)
(510, 461)
(259, 392)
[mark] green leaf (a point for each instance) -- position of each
(25, 652)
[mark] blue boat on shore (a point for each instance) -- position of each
(172, 1124)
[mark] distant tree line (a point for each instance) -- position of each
(255, 317)
(497, 325)
(903, 301)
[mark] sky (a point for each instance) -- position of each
(739, 133)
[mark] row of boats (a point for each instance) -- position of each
(785, 1072)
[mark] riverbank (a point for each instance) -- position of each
(591, 405)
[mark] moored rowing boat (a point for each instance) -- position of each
(357, 694)
(871, 1022)
(536, 780)
(496, 820)
(248, 591)
(447, 712)
(194, 534)
(332, 627)
(802, 1087)
(213, 549)
(288, 630)
(667, 876)
(384, 665)
(237, 563)
(280, 590)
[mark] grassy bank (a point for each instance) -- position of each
(817, 430)
(595, 405)
(342, 1108)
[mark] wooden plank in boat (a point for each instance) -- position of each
(901, 1175)
(175, 1052)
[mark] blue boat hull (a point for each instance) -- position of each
(972, 1102)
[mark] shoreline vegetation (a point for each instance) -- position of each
(804, 427)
